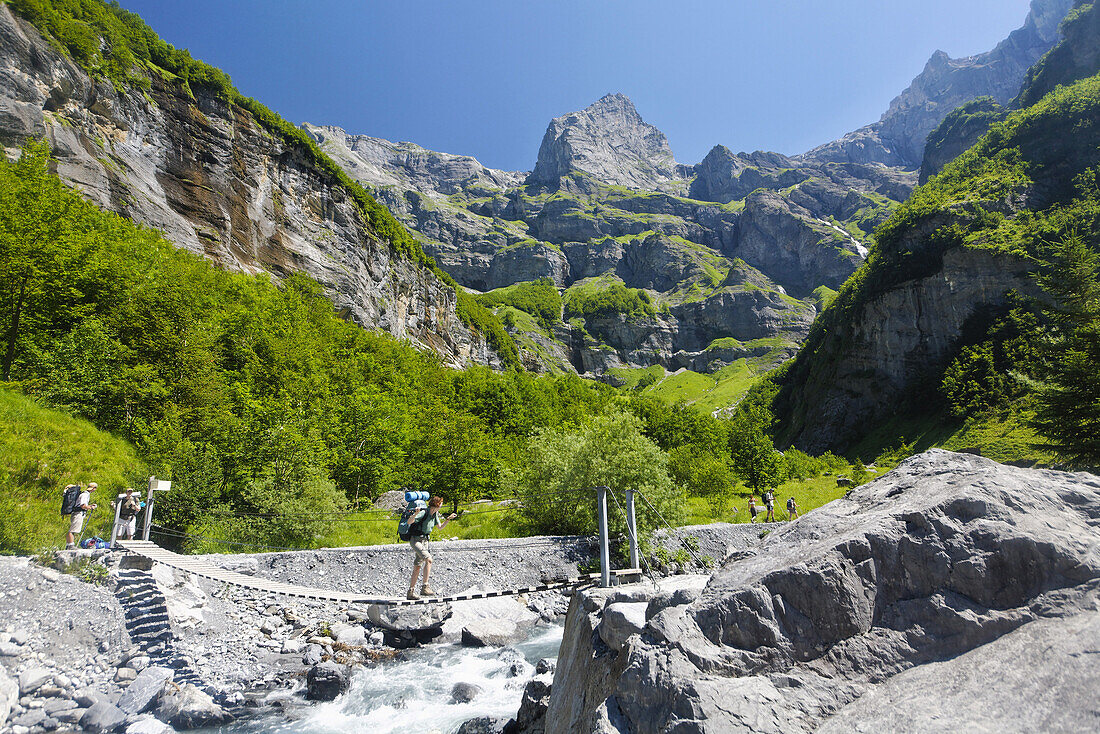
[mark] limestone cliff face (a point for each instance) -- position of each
(951, 594)
(610, 141)
(217, 184)
(896, 342)
(898, 138)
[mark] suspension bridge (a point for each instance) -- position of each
(205, 568)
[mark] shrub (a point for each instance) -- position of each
(611, 301)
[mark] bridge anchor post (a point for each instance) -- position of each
(632, 529)
(605, 550)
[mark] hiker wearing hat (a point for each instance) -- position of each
(84, 506)
(126, 524)
(421, 526)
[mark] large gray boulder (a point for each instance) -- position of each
(953, 593)
(103, 717)
(143, 692)
(490, 633)
(31, 679)
(417, 618)
(325, 681)
(188, 707)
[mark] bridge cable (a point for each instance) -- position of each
(672, 530)
(634, 537)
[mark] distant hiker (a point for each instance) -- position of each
(128, 511)
(753, 510)
(792, 510)
(83, 507)
(420, 527)
(769, 502)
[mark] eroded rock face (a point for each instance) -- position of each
(217, 184)
(899, 339)
(608, 140)
(965, 589)
(898, 138)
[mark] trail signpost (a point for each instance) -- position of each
(155, 485)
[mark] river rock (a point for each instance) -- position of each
(354, 636)
(483, 725)
(188, 707)
(325, 681)
(313, 654)
(490, 633)
(56, 705)
(409, 618)
(87, 697)
(545, 665)
(9, 694)
(143, 692)
(464, 692)
(881, 611)
(103, 717)
(30, 719)
(149, 725)
(531, 717)
(125, 675)
(32, 679)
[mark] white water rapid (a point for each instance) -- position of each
(414, 694)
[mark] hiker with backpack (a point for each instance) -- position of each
(416, 525)
(753, 512)
(792, 510)
(77, 509)
(130, 506)
(769, 502)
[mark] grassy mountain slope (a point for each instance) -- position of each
(41, 451)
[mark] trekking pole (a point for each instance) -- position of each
(83, 527)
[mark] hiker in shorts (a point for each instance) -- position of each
(753, 510)
(769, 502)
(420, 528)
(83, 507)
(126, 524)
(792, 510)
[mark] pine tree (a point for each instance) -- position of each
(1069, 400)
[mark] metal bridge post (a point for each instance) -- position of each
(149, 508)
(632, 529)
(605, 550)
(114, 526)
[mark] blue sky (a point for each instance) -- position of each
(484, 78)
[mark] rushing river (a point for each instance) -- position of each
(414, 694)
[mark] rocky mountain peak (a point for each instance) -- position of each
(609, 141)
(945, 83)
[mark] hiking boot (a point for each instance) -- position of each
(426, 590)
(412, 595)
(70, 546)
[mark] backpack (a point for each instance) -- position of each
(417, 502)
(68, 499)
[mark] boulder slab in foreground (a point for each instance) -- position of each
(952, 594)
